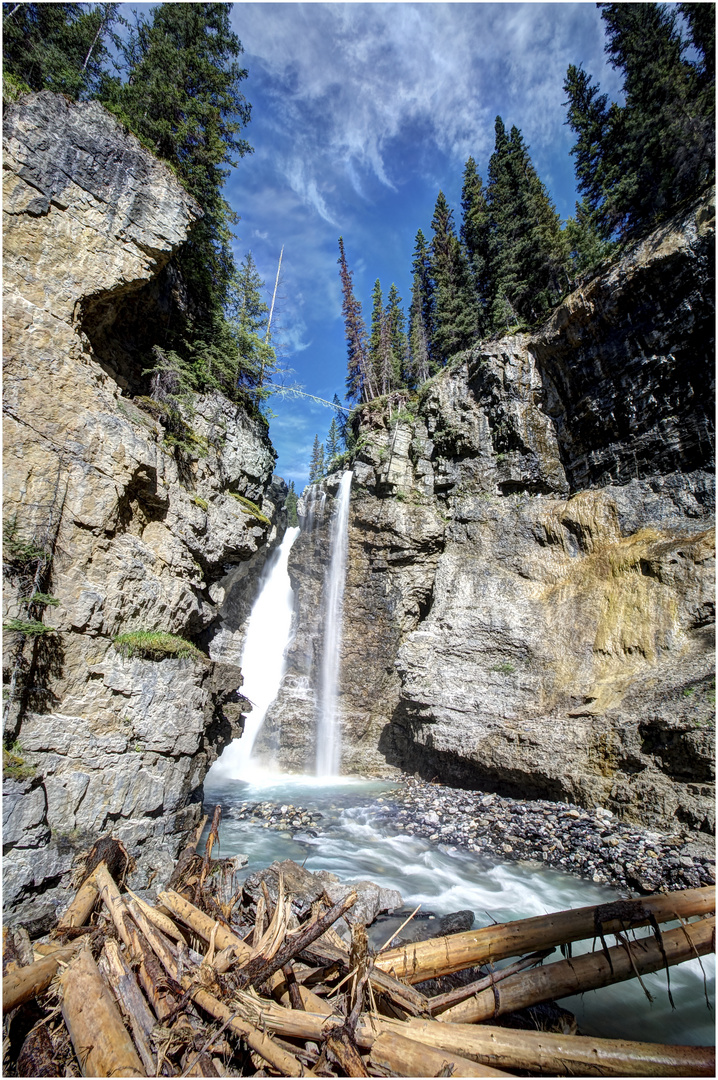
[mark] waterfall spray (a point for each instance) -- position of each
(263, 656)
(328, 735)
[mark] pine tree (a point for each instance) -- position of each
(290, 505)
(332, 445)
(475, 236)
(183, 96)
(586, 247)
(60, 47)
(396, 323)
(376, 335)
(421, 270)
(636, 163)
(455, 305)
(527, 250)
(419, 367)
(316, 463)
(360, 382)
(249, 314)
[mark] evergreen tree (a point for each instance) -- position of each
(396, 323)
(455, 305)
(60, 47)
(248, 315)
(360, 383)
(376, 336)
(332, 445)
(586, 248)
(183, 96)
(419, 367)
(340, 418)
(421, 270)
(636, 163)
(527, 250)
(316, 463)
(290, 505)
(475, 235)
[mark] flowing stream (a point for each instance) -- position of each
(328, 734)
(352, 844)
(263, 657)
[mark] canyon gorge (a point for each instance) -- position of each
(528, 607)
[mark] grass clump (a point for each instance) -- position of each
(156, 645)
(250, 507)
(200, 502)
(14, 766)
(504, 669)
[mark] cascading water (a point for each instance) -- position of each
(263, 657)
(328, 735)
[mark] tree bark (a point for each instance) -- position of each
(24, 983)
(81, 905)
(406, 1057)
(587, 972)
(102, 1044)
(557, 1055)
(204, 925)
(131, 1001)
(442, 956)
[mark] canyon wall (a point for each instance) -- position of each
(137, 533)
(529, 604)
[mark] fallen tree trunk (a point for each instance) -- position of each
(131, 1001)
(24, 983)
(204, 925)
(422, 960)
(587, 972)
(406, 1057)
(102, 1044)
(553, 1055)
(81, 905)
(113, 901)
(452, 997)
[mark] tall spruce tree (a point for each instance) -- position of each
(527, 250)
(455, 304)
(421, 271)
(316, 462)
(419, 365)
(396, 323)
(637, 162)
(361, 385)
(376, 336)
(332, 447)
(475, 236)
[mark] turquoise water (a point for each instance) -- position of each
(353, 845)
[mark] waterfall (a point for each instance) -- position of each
(328, 755)
(263, 656)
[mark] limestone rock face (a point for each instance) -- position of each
(529, 603)
(138, 533)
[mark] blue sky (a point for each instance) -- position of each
(361, 113)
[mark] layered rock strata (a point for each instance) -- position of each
(529, 605)
(136, 532)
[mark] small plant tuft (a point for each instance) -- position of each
(250, 507)
(200, 502)
(156, 645)
(28, 627)
(504, 669)
(14, 766)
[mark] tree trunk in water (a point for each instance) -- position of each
(587, 972)
(442, 956)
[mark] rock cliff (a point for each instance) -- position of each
(529, 602)
(135, 533)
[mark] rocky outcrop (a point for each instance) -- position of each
(529, 604)
(137, 532)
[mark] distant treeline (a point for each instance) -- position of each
(512, 260)
(172, 77)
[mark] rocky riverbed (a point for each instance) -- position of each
(592, 844)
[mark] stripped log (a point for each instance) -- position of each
(113, 901)
(158, 919)
(211, 839)
(152, 978)
(549, 1054)
(81, 905)
(102, 1044)
(453, 997)
(204, 925)
(340, 1048)
(587, 972)
(402, 1056)
(24, 983)
(404, 997)
(442, 956)
(131, 1002)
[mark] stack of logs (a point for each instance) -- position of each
(197, 985)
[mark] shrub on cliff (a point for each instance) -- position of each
(156, 645)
